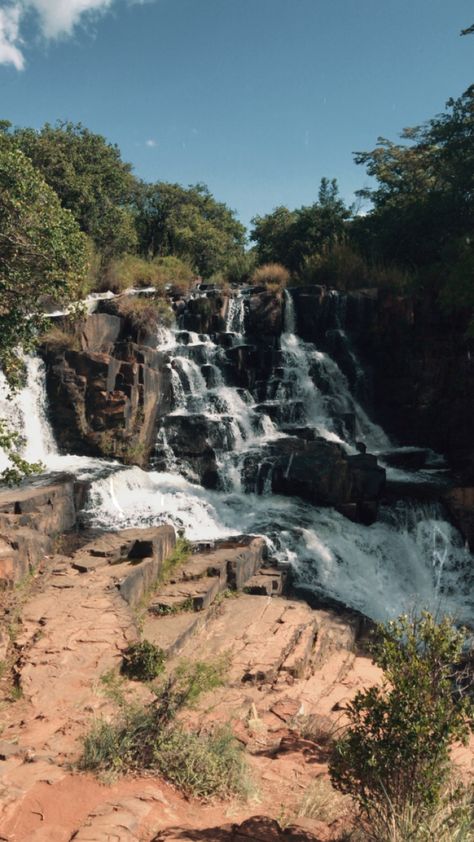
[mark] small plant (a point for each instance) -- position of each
(273, 276)
(143, 661)
(194, 679)
(394, 757)
(112, 686)
(322, 802)
(148, 739)
(317, 728)
(144, 314)
(59, 339)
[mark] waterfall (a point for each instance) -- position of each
(236, 315)
(25, 413)
(411, 557)
(381, 570)
(289, 315)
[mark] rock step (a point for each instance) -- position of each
(193, 595)
(260, 631)
(128, 544)
(335, 633)
(175, 630)
(267, 657)
(267, 582)
(299, 658)
(196, 583)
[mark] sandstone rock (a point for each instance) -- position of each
(100, 332)
(256, 829)
(108, 396)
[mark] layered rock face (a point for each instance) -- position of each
(417, 375)
(30, 518)
(418, 366)
(107, 395)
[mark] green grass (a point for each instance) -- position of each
(148, 739)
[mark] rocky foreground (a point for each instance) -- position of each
(291, 670)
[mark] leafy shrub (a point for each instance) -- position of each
(394, 758)
(143, 661)
(271, 275)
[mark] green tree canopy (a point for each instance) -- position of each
(290, 237)
(424, 194)
(90, 178)
(190, 224)
(42, 251)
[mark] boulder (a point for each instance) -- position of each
(322, 472)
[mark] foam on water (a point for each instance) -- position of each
(412, 557)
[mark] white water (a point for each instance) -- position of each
(412, 557)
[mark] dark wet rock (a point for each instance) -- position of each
(408, 458)
(323, 473)
(265, 313)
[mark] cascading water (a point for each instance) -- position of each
(411, 557)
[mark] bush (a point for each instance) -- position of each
(273, 276)
(322, 802)
(143, 661)
(339, 265)
(175, 273)
(203, 766)
(130, 271)
(394, 757)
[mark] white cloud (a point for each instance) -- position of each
(10, 41)
(59, 17)
(151, 143)
(54, 19)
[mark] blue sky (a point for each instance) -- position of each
(257, 98)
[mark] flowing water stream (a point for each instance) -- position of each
(412, 557)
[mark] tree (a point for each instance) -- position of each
(42, 252)
(90, 178)
(395, 752)
(290, 237)
(190, 224)
(425, 188)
